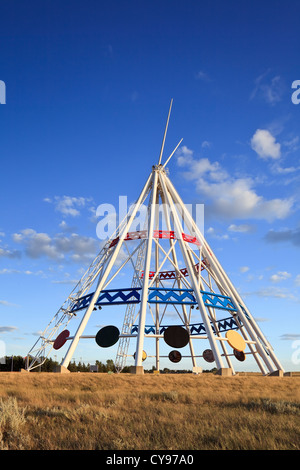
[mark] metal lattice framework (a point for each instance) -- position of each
(44, 345)
(173, 267)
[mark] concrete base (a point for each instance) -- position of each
(24, 370)
(137, 370)
(61, 370)
(225, 372)
(276, 373)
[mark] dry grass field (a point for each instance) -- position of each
(85, 411)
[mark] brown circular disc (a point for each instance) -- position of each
(61, 339)
(176, 336)
(239, 355)
(175, 356)
(107, 336)
(208, 355)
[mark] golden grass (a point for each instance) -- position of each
(46, 411)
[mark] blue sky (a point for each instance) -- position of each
(88, 87)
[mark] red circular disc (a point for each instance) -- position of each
(61, 339)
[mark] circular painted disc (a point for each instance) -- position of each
(61, 339)
(107, 336)
(144, 356)
(240, 355)
(235, 340)
(175, 356)
(208, 355)
(176, 336)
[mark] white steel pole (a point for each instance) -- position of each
(167, 161)
(144, 295)
(163, 142)
(108, 268)
(157, 283)
(193, 280)
(174, 257)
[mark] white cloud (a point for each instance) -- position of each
(199, 168)
(290, 336)
(261, 319)
(184, 156)
(244, 269)
(27, 272)
(230, 197)
(270, 90)
(286, 235)
(211, 231)
(7, 304)
(265, 145)
(205, 144)
(78, 248)
(237, 199)
(274, 292)
(37, 244)
(7, 329)
(280, 276)
(65, 227)
(5, 253)
(243, 228)
(201, 75)
(68, 205)
(292, 144)
(66, 281)
(277, 169)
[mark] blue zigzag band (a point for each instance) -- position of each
(195, 329)
(155, 295)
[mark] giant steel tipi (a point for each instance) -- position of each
(173, 269)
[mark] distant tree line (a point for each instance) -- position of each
(12, 363)
(15, 363)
